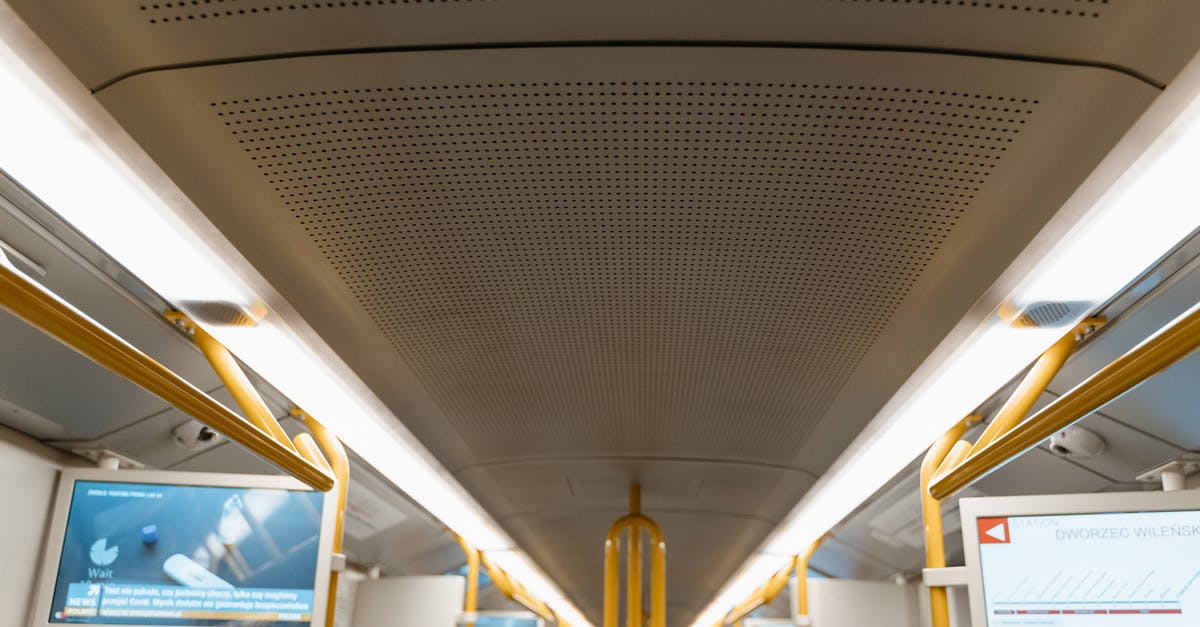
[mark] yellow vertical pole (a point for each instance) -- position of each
(471, 604)
(658, 579)
(802, 577)
(931, 512)
(633, 583)
(612, 575)
(339, 462)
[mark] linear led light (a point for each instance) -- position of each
(62, 146)
(1139, 203)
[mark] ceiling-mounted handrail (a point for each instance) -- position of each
(931, 514)
(636, 523)
(1018, 404)
(55, 317)
(471, 599)
(514, 591)
(1167, 346)
(339, 463)
(763, 595)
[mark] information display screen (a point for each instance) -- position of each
(1092, 570)
(149, 554)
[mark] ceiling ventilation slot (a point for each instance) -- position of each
(583, 255)
(192, 10)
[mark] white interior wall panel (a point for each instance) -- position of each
(30, 476)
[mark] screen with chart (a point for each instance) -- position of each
(149, 554)
(1092, 570)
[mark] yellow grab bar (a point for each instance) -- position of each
(931, 513)
(1167, 346)
(513, 590)
(636, 523)
(235, 380)
(1030, 388)
(802, 577)
(339, 463)
(471, 603)
(58, 319)
(763, 595)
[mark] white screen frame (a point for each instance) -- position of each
(52, 550)
(971, 509)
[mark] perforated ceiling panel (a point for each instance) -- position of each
(596, 265)
(106, 41)
(561, 261)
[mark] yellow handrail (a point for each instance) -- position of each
(339, 463)
(931, 513)
(1032, 385)
(471, 602)
(1167, 346)
(58, 319)
(514, 591)
(762, 595)
(802, 577)
(636, 523)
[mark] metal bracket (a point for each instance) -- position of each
(1172, 474)
(949, 577)
(99, 455)
(337, 562)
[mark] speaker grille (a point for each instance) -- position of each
(629, 265)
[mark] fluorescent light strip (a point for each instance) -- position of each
(1142, 201)
(62, 146)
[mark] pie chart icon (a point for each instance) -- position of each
(102, 554)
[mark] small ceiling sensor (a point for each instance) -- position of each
(194, 436)
(1077, 443)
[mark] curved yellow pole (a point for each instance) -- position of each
(802, 577)
(763, 595)
(1030, 388)
(1167, 346)
(612, 577)
(636, 524)
(471, 603)
(513, 590)
(339, 463)
(931, 513)
(238, 384)
(633, 581)
(55, 317)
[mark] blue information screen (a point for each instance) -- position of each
(148, 554)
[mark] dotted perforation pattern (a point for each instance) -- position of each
(629, 265)
(1076, 8)
(184, 11)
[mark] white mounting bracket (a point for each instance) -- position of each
(1173, 474)
(107, 459)
(337, 563)
(950, 577)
